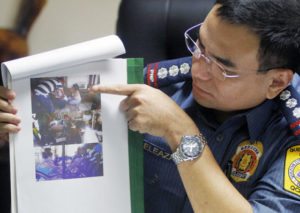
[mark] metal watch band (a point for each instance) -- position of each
(176, 157)
(179, 157)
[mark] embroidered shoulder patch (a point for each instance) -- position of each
(292, 170)
(245, 160)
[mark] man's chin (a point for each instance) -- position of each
(203, 102)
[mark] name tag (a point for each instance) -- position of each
(156, 151)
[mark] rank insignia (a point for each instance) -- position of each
(173, 70)
(285, 95)
(184, 68)
(292, 170)
(162, 73)
(245, 160)
(296, 112)
(291, 103)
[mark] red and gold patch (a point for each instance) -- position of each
(245, 160)
(292, 170)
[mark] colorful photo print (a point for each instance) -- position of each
(65, 113)
(68, 161)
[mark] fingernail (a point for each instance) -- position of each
(14, 111)
(17, 120)
(17, 129)
(11, 95)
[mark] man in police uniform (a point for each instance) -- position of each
(229, 149)
(221, 142)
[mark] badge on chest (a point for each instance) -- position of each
(245, 160)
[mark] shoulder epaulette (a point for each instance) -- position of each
(168, 72)
(173, 71)
(290, 107)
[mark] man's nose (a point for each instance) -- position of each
(201, 69)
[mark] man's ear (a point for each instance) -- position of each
(279, 80)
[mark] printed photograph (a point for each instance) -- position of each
(66, 124)
(68, 162)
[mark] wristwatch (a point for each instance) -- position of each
(190, 148)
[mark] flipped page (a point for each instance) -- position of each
(71, 154)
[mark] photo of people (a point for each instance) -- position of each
(67, 127)
(67, 162)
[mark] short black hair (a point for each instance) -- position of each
(75, 86)
(277, 24)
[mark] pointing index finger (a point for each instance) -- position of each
(118, 89)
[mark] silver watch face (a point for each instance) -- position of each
(191, 146)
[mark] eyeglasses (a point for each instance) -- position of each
(198, 52)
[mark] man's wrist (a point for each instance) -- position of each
(173, 138)
(190, 148)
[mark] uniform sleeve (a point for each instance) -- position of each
(279, 189)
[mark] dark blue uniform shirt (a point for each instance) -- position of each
(255, 148)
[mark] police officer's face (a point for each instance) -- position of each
(236, 49)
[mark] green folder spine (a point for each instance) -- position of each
(136, 154)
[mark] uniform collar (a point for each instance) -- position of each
(258, 117)
(255, 118)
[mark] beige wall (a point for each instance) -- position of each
(65, 22)
(8, 11)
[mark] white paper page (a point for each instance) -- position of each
(93, 50)
(107, 193)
